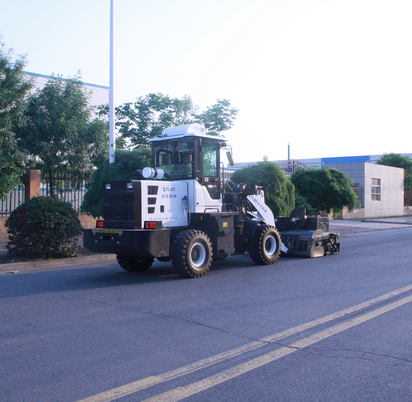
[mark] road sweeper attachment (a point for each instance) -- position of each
(307, 237)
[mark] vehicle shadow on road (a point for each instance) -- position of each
(106, 275)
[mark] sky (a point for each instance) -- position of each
(329, 77)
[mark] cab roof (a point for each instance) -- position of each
(189, 130)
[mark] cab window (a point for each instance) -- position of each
(210, 171)
(209, 159)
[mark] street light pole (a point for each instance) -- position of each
(111, 89)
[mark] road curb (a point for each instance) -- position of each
(19, 266)
(391, 222)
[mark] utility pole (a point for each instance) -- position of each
(111, 89)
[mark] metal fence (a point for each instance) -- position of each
(15, 198)
(67, 188)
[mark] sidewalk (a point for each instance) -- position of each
(86, 256)
(347, 226)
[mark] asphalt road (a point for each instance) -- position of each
(334, 328)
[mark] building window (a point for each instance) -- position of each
(376, 189)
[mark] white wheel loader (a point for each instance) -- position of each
(177, 210)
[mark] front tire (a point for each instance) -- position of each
(134, 263)
(191, 253)
(265, 245)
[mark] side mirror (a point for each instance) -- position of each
(230, 158)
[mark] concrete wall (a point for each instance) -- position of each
(392, 182)
(3, 230)
(392, 185)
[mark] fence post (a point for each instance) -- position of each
(32, 184)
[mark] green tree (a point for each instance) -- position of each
(59, 129)
(147, 117)
(397, 160)
(13, 90)
(127, 162)
(325, 189)
(219, 117)
(150, 115)
(279, 191)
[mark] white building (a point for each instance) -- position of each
(380, 189)
(99, 94)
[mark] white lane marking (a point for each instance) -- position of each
(151, 381)
(180, 393)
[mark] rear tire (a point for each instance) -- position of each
(265, 245)
(134, 263)
(191, 253)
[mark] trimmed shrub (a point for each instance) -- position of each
(325, 189)
(43, 227)
(279, 191)
(302, 202)
(126, 163)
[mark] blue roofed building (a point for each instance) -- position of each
(380, 189)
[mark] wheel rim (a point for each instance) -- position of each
(271, 246)
(198, 254)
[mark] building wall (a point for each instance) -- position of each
(354, 159)
(392, 186)
(362, 169)
(322, 162)
(389, 201)
(356, 172)
(99, 94)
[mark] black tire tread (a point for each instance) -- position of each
(178, 253)
(256, 246)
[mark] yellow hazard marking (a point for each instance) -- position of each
(107, 231)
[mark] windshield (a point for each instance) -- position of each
(175, 158)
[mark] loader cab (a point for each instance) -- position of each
(187, 152)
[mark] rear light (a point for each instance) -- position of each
(153, 225)
(100, 223)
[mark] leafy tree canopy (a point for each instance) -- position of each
(218, 117)
(58, 129)
(147, 117)
(13, 90)
(127, 162)
(325, 189)
(397, 160)
(279, 191)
